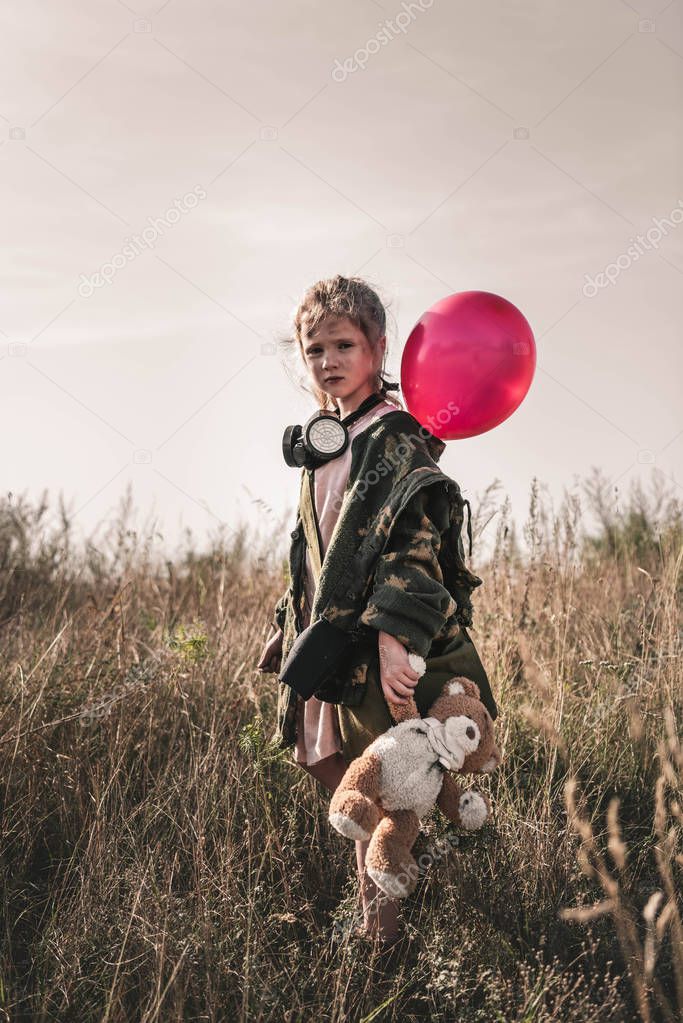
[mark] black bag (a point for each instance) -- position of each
(314, 655)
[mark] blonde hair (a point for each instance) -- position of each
(349, 297)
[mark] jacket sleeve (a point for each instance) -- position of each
(280, 611)
(409, 599)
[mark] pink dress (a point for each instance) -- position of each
(317, 729)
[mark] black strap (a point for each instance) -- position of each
(365, 406)
(469, 524)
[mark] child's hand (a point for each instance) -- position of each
(272, 653)
(397, 677)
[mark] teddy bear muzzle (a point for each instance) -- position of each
(462, 735)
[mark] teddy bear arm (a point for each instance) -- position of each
(354, 811)
(448, 798)
(364, 775)
(403, 711)
(467, 808)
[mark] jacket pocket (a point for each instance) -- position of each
(461, 658)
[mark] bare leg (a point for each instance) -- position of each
(380, 914)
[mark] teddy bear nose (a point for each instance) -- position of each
(469, 732)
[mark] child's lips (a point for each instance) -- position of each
(333, 380)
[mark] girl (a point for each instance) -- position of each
(340, 329)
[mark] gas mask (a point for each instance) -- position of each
(322, 437)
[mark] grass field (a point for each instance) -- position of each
(161, 862)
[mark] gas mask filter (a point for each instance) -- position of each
(322, 437)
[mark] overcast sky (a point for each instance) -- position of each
(430, 147)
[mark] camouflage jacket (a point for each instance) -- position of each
(395, 562)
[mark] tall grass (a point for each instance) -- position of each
(160, 861)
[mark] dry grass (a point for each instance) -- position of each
(161, 862)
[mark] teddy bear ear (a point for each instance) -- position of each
(462, 686)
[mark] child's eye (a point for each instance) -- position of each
(341, 344)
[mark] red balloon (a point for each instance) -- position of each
(467, 364)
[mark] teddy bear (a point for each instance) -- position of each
(403, 773)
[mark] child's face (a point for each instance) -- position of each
(340, 350)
